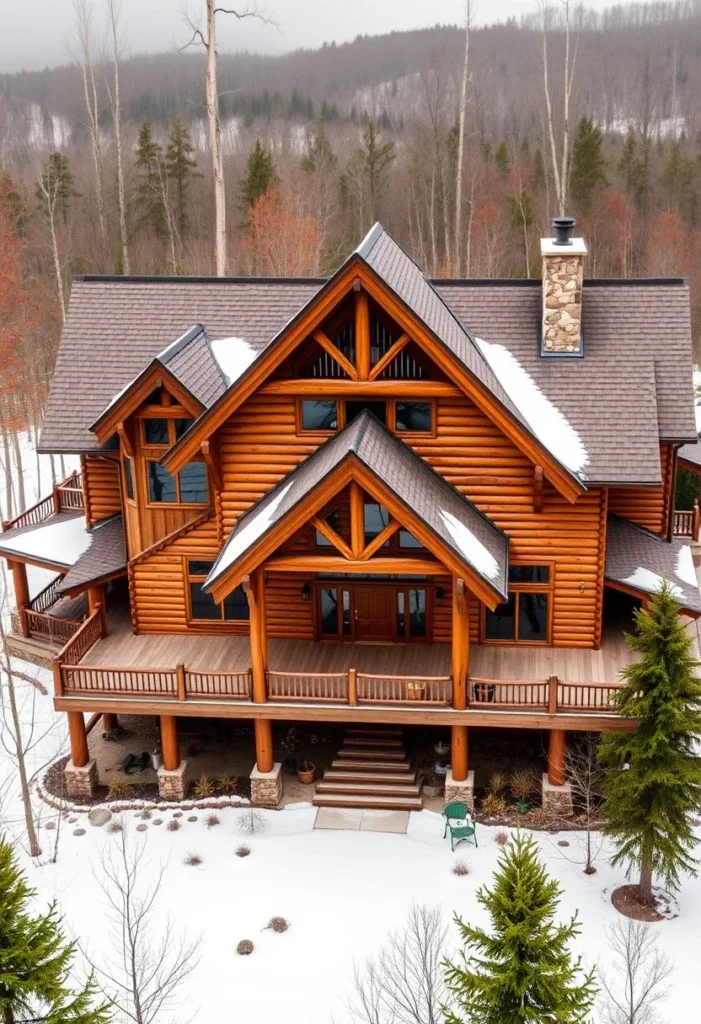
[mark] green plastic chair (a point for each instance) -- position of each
(462, 832)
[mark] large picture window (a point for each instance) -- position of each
(203, 607)
(525, 617)
(188, 487)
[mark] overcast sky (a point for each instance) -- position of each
(33, 33)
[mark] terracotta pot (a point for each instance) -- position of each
(307, 777)
(416, 691)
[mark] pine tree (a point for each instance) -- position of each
(376, 156)
(36, 960)
(677, 178)
(521, 972)
(502, 160)
(539, 180)
(647, 806)
(151, 180)
(633, 169)
(259, 176)
(319, 156)
(588, 164)
(181, 168)
(57, 184)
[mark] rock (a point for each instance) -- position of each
(99, 816)
(141, 828)
(50, 825)
(157, 821)
(178, 814)
(79, 832)
(562, 842)
(193, 817)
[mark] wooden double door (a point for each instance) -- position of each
(374, 612)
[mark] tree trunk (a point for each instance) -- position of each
(34, 848)
(117, 109)
(21, 499)
(646, 880)
(220, 255)
(461, 145)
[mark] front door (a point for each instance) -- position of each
(375, 613)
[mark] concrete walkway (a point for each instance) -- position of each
(355, 819)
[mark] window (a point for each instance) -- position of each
(319, 415)
(524, 618)
(376, 518)
(335, 612)
(334, 521)
(156, 432)
(181, 426)
(414, 625)
(414, 417)
(128, 477)
(188, 488)
(408, 540)
(203, 607)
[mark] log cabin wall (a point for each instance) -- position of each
(101, 492)
(647, 506)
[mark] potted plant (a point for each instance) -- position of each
(306, 770)
(433, 784)
(415, 691)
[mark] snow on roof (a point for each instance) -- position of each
(60, 541)
(257, 523)
(684, 568)
(651, 582)
(473, 549)
(38, 579)
(546, 421)
(234, 356)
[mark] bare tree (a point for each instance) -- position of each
(144, 976)
(633, 986)
(586, 777)
(404, 983)
(461, 141)
(113, 12)
(560, 155)
(208, 39)
(49, 188)
(83, 39)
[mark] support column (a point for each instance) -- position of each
(557, 793)
(80, 773)
(460, 644)
(172, 776)
(458, 753)
(21, 586)
(264, 744)
(266, 777)
(96, 598)
(109, 722)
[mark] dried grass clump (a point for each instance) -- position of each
(278, 924)
(119, 789)
(193, 860)
(460, 868)
(523, 783)
(173, 825)
(243, 851)
(245, 947)
(114, 827)
(204, 786)
(497, 783)
(146, 814)
(212, 820)
(501, 838)
(224, 783)
(493, 804)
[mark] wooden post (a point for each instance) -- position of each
(556, 757)
(57, 499)
(357, 519)
(254, 589)
(79, 739)
(109, 722)
(362, 334)
(58, 679)
(22, 599)
(695, 521)
(458, 753)
(552, 695)
(96, 599)
(460, 643)
(265, 761)
(352, 686)
(169, 742)
(180, 681)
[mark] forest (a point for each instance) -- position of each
(464, 141)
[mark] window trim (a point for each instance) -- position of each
(524, 588)
(428, 585)
(341, 419)
(209, 625)
(392, 418)
(318, 432)
(127, 460)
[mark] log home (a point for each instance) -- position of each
(376, 500)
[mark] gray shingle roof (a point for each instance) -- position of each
(476, 541)
(692, 453)
(106, 555)
(194, 365)
(641, 560)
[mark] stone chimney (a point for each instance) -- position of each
(563, 262)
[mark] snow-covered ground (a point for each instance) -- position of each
(341, 892)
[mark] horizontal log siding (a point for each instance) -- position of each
(289, 617)
(101, 493)
(646, 506)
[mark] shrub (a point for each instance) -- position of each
(501, 838)
(278, 924)
(497, 783)
(146, 814)
(173, 825)
(211, 820)
(244, 947)
(193, 860)
(243, 851)
(226, 783)
(250, 820)
(493, 804)
(204, 786)
(522, 783)
(114, 826)
(119, 789)
(460, 868)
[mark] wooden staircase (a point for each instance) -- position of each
(371, 771)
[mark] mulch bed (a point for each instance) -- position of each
(625, 900)
(537, 820)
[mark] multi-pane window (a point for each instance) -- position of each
(330, 414)
(321, 414)
(376, 518)
(524, 618)
(188, 487)
(411, 614)
(413, 417)
(335, 611)
(128, 477)
(203, 607)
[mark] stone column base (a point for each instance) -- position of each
(266, 787)
(81, 782)
(463, 792)
(172, 785)
(557, 800)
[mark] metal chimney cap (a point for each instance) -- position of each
(563, 228)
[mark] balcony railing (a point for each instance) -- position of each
(49, 627)
(66, 496)
(686, 522)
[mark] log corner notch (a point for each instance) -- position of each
(538, 483)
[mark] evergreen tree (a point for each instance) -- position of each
(181, 167)
(677, 179)
(588, 163)
(647, 807)
(633, 169)
(150, 181)
(502, 160)
(259, 176)
(521, 972)
(319, 155)
(376, 156)
(36, 960)
(58, 185)
(539, 179)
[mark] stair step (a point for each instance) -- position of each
(385, 803)
(369, 755)
(371, 743)
(345, 763)
(358, 731)
(371, 789)
(396, 778)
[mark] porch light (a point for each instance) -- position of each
(306, 592)
(440, 594)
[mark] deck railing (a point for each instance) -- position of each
(66, 496)
(318, 686)
(376, 689)
(686, 522)
(49, 627)
(46, 597)
(177, 684)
